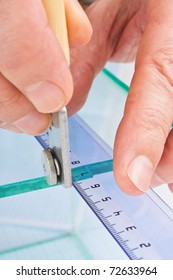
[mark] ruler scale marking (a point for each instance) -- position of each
(93, 180)
(122, 242)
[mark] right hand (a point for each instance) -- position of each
(124, 30)
(35, 79)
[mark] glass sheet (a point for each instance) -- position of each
(50, 223)
(55, 223)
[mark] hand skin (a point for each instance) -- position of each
(35, 79)
(124, 30)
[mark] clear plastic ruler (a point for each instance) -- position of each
(141, 225)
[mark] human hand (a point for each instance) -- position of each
(35, 79)
(143, 151)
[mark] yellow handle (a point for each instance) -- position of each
(56, 14)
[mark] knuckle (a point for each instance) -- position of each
(89, 68)
(81, 67)
(8, 102)
(162, 62)
(155, 124)
(163, 59)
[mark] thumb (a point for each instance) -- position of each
(148, 114)
(31, 57)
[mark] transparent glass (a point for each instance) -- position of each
(43, 222)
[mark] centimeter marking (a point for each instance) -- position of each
(117, 223)
(105, 221)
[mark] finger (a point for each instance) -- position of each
(127, 46)
(164, 171)
(79, 27)
(87, 61)
(17, 113)
(31, 57)
(8, 126)
(149, 110)
(170, 187)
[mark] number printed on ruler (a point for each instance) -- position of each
(120, 226)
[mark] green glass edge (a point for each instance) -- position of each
(23, 187)
(88, 171)
(79, 173)
(116, 80)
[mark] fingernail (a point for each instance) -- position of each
(9, 126)
(46, 97)
(33, 123)
(156, 181)
(140, 172)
